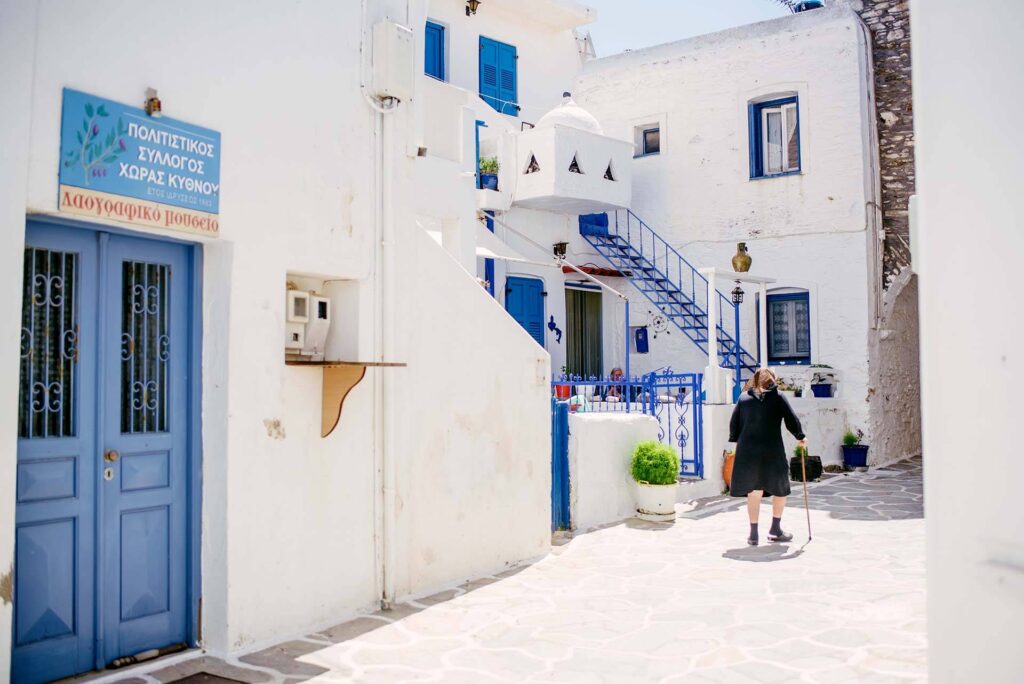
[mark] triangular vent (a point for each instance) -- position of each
(609, 172)
(533, 166)
(574, 167)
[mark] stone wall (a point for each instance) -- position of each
(895, 383)
(889, 23)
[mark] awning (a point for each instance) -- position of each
(490, 246)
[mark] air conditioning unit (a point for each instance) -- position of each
(307, 322)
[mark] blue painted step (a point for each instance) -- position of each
(668, 281)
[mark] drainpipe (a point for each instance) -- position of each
(383, 259)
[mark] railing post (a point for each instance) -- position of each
(629, 378)
(736, 350)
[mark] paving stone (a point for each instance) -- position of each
(351, 629)
(211, 665)
(284, 658)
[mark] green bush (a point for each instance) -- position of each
(655, 463)
(799, 451)
(852, 438)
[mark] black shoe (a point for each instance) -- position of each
(752, 541)
(780, 537)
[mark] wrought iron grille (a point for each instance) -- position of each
(49, 345)
(145, 346)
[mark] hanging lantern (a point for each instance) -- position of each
(471, 6)
(737, 294)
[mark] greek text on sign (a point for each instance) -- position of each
(118, 163)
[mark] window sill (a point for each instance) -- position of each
(777, 175)
(788, 362)
(649, 154)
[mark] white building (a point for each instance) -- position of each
(345, 150)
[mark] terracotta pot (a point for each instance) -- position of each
(727, 463)
(562, 391)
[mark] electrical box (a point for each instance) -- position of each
(307, 322)
(394, 60)
(317, 327)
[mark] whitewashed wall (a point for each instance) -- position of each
(288, 538)
(601, 488)
(809, 231)
(970, 221)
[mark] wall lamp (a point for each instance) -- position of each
(737, 294)
(559, 249)
(153, 106)
(471, 6)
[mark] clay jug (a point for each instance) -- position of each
(741, 262)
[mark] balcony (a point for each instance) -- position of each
(567, 165)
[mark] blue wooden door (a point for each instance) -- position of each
(524, 300)
(101, 534)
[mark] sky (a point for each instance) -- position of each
(632, 24)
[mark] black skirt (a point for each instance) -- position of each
(756, 427)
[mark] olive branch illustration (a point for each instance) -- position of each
(94, 153)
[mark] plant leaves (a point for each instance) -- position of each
(102, 111)
(79, 135)
(88, 110)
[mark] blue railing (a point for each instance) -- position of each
(676, 400)
(670, 282)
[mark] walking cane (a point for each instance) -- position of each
(803, 467)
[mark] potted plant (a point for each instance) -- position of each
(489, 168)
(786, 390)
(563, 391)
(655, 468)
(796, 465)
(855, 454)
(822, 381)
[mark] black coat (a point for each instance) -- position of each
(756, 427)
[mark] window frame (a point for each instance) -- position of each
(443, 46)
(640, 139)
(757, 123)
(803, 359)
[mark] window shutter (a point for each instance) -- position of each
(507, 80)
(433, 62)
(498, 76)
(489, 72)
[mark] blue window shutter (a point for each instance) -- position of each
(507, 80)
(489, 72)
(524, 300)
(433, 62)
(754, 116)
(499, 78)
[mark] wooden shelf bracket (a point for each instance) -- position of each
(338, 380)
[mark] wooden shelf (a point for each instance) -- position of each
(339, 379)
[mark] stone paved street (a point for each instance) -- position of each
(637, 602)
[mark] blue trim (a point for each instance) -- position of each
(476, 167)
(522, 311)
(756, 140)
(194, 496)
(489, 263)
(434, 49)
(789, 360)
(644, 152)
(582, 286)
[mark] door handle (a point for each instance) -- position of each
(110, 456)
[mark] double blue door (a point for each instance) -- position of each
(102, 523)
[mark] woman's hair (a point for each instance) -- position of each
(761, 380)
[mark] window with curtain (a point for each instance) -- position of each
(774, 138)
(789, 328)
(583, 351)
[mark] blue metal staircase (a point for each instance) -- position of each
(669, 281)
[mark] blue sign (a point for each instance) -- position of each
(108, 149)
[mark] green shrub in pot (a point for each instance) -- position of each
(655, 464)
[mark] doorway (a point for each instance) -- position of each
(103, 525)
(584, 352)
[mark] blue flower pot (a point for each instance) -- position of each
(855, 456)
(489, 181)
(822, 391)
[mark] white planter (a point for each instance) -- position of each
(656, 503)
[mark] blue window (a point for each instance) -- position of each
(774, 138)
(433, 62)
(524, 300)
(498, 76)
(789, 329)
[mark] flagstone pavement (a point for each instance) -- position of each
(641, 602)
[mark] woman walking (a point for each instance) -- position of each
(761, 466)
